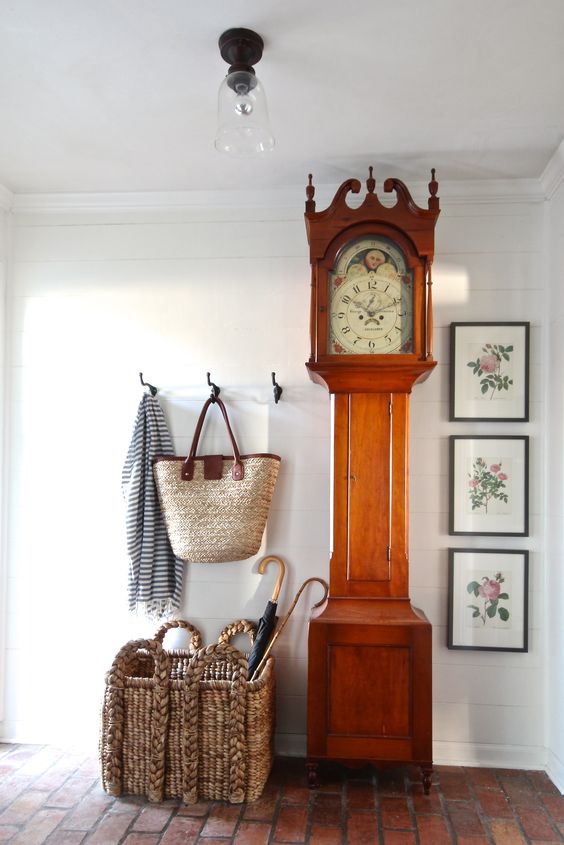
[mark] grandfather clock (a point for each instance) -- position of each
(369, 649)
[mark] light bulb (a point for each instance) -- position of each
(243, 106)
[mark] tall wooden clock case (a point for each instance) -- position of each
(369, 649)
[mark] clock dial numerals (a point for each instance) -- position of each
(370, 300)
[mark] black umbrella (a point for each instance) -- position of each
(267, 622)
(282, 625)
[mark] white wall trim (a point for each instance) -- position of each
(290, 745)
(460, 754)
(553, 174)
(6, 199)
(155, 200)
(491, 756)
(491, 191)
(477, 191)
(555, 771)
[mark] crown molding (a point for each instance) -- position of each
(553, 174)
(455, 192)
(6, 199)
(155, 200)
(492, 191)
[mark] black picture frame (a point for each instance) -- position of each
(489, 372)
(488, 600)
(489, 485)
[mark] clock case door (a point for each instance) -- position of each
(369, 544)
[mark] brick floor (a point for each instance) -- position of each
(50, 796)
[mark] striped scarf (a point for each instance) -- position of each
(155, 575)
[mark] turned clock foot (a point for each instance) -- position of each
(312, 770)
(426, 775)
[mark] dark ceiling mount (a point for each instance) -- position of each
(241, 49)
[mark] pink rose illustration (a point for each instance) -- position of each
(488, 363)
(486, 483)
(338, 281)
(489, 590)
(488, 368)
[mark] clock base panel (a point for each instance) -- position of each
(369, 691)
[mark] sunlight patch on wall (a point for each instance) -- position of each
(451, 284)
(75, 400)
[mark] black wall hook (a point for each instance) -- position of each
(151, 387)
(215, 391)
(277, 389)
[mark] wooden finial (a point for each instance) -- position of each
(370, 182)
(433, 202)
(310, 193)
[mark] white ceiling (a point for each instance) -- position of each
(120, 95)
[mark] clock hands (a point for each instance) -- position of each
(360, 304)
(365, 307)
(373, 311)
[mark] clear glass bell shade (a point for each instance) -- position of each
(243, 125)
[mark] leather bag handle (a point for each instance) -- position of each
(238, 471)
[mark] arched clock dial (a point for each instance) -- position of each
(370, 299)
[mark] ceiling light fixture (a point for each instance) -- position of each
(243, 125)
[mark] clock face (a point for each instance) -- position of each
(370, 299)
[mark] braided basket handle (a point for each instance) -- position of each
(240, 627)
(237, 750)
(118, 672)
(195, 636)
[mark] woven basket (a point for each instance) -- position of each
(187, 724)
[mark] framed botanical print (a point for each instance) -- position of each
(489, 372)
(489, 485)
(488, 599)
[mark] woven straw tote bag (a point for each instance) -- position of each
(215, 507)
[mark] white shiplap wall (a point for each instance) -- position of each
(97, 296)
(488, 706)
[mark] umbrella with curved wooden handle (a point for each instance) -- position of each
(282, 625)
(281, 573)
(267, 622)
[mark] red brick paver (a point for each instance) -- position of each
(52, 797)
